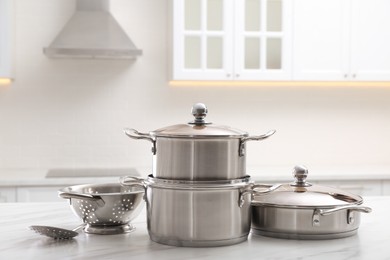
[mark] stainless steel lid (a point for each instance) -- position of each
(198, 128)
(302, 194)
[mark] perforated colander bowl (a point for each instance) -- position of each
(105, 208)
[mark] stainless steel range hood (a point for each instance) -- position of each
(92, 32)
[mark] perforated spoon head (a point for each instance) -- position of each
(54, 232)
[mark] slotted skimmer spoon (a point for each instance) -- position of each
(55, 232)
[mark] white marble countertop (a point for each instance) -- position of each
(18, 242)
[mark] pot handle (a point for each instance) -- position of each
(133, 181)
(253, 138)
(269, 188)
(99, 201)
(350, 213)
(325, 212)
(132, 133)
(251, 190)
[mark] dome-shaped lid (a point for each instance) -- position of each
(198, 128)
(301, 194)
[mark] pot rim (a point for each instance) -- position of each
(197, 184)
(255, 203)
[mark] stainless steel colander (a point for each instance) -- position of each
(105, 208)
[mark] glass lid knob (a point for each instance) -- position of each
(199, 111)
(300, 173)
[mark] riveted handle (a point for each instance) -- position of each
(325, 212)
(350, 213)
(133, 181)
(134, 134)
(253, 138)
(251, 189)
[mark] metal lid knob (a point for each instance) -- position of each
(300, 173)
(199, 111)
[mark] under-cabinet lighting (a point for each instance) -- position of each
(189, 83)
(5, 81)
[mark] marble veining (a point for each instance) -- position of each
(17, 241)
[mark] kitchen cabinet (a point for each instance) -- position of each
(231, 40)
(386, 188)
(7, 194)
(359, 187)
(30, 194)
(6, 11)
(341, 40)
(38, 194)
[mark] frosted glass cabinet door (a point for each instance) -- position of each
(262, 40)
(203, 39)
(6, 11)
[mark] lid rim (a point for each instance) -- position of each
(256, 204)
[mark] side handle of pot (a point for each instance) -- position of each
(252, 190)
(325, 212)
(95, 198)
(350, 213)
(133, 181)
(253, 138)
(132, 133)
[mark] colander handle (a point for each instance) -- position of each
(89, 197)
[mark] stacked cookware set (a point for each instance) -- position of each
(199, 193)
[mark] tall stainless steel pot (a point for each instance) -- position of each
(301, 210)
(198, 150)
(198, 213)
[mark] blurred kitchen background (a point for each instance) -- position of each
(68, 114)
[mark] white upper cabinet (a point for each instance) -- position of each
(231, 40)
(341, 40)
(5, 38)
(321, 40)
(370, 40)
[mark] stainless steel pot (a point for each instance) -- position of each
(198, 150)
(301, 210)
(197, 213)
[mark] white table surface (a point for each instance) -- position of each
(18, 242)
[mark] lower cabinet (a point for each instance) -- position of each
(363, 187)
(386, 188)
(38, 194)
(50, 193)
(7, 194)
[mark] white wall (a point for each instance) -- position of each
(70, 113)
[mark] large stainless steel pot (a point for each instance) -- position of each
(197, 213)
(198, 150)
(301, 210)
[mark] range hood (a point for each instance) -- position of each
(92, 32)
